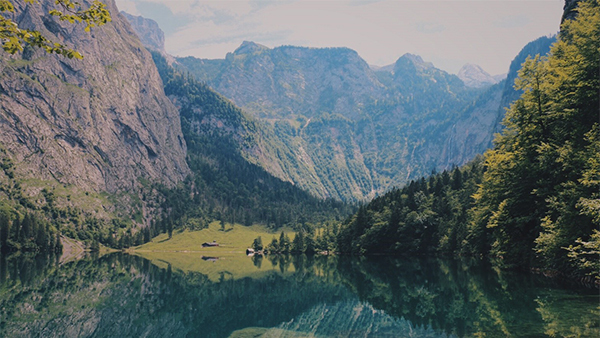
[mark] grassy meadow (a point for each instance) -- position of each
(184, 251)
(216, 268)
(233, 240)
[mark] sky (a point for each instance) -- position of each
(447, 33)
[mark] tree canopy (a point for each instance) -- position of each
(534, 201)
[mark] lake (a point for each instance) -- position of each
(191, 295)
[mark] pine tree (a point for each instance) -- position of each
(257, 245)
(298, 245)
(536, 187)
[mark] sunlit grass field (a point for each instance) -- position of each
(220, 267)
(184, 251)
(234, 240)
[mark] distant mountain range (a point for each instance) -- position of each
(472, 75)
(356, 130)
(323, 119)
(350, 130)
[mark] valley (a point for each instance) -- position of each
(377, 201)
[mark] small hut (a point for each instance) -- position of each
(211, 244)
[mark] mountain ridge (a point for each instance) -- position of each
(84, 144)
(353, 129)
(333, 126)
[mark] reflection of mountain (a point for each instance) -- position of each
(128, 296)
(349, 319)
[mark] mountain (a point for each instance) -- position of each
(388, 68)
(539, 46)
(224, 147)
(95, 150)
(289, 81)
(352, 131)
(82, 142)
(357, 131)
(99, 123)
(530, 201)
(150, 34)
(500, 77)
(475, 77)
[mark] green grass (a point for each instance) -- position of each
(184, 251)
(231, 241)
(249, 332)
(220, 267)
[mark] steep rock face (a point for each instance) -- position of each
(475, 77)
(148, 31)
(539, 46)
(100, 123)
(473, 132)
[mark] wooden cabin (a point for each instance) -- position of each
(208, 245)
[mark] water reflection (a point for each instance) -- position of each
(284, 296)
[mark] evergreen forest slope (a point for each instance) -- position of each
(531, 201)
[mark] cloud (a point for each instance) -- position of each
(429, 27)
(168, 21)
(512, 21)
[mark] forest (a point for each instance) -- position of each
(533, 200)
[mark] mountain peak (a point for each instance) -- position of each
(475, 77)
(148, 31)
(249, 47)
(413, 57)
(416, 60)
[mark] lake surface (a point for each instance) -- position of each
(190, 295)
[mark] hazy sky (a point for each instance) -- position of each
(447, 33)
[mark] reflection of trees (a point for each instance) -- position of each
(561, 320)
(122, 295)
(128, 296)
(464, 298)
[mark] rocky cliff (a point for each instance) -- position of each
(148, 31)
(101, 123)
(569, 12)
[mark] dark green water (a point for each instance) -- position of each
(128, 296)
